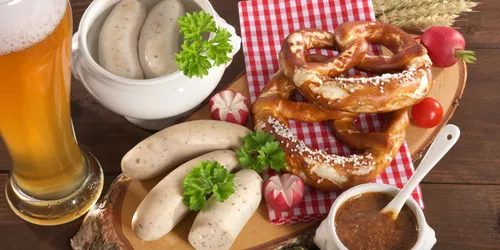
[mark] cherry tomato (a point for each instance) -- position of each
(427, 114)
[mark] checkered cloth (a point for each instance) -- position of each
(264, 25)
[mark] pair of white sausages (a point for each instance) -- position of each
(134, 44)
(218, 224)
(162, 208)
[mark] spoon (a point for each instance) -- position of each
(445, 139)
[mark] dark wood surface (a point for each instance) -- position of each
(462, 194)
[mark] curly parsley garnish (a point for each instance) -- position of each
(206, 178)
(261, 151)
(193, 59)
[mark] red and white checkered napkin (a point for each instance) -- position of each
(264, 25)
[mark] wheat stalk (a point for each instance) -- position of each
(430, 10)
(383, 6)
(420, 14)
(423, 22)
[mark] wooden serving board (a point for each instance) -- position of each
(113, 220)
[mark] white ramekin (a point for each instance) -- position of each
(326, 237)
(151, 103)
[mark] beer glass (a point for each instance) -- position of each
(52, 180)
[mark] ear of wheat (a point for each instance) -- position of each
(420, 14)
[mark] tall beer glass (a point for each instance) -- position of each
(53, 180)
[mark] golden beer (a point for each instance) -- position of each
(35, 121)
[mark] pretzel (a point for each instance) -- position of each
(322, 84)
(317, 168)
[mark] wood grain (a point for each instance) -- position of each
(5, 161)
(480, 28)
(464, 216)
(476, 156)
(78, 7)
(107, 135)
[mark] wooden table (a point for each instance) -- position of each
(462, 194)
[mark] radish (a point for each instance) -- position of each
(229, 106)
(446, 46)
(283, 193)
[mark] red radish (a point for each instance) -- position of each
(229, 106)
(445, 46)
(285, 192)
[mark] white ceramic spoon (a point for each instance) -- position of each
(446, 138)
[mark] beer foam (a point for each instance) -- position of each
(24, 23)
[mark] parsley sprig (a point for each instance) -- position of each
(261, 151)
(206, 178)
(196, 53)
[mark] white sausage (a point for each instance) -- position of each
(163, 208)
(218, 224)
(160, 39)
(177, 144)
(118, 39)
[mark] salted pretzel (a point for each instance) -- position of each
(321, 82)
(272, 109)
(317, 168)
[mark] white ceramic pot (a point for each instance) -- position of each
(326, 237)
(152, 103)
